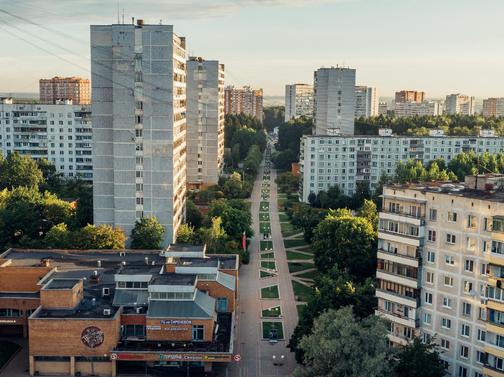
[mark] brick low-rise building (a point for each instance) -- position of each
(120, 310)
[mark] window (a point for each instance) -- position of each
(428, 298)
(10, 313)
(466, 309)
(497, 247)
(498, 224)
(446, 302)
(462, 371)
(445, 344)
(483, 269)
(429, 277)
(468, 286)
(471, 222)
(449, 259)
(485, 223)
(431, 257)
(448, 281)
(465, 330)
(446, 323)
(464, 352)
(450, 238)
(198, 332)
(452, 217)
(432, 214)
(427, 319)
(137, 331)
(389, 306)
(469, 265)
(432, 236)
(481, 335)
(480, 357)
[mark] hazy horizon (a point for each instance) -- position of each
(438, 47)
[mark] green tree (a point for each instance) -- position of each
(52, 180)
(369, 211)
(273, 117)
(17, 170)
(343, 346)
(347, 242)
(214, 236)
(419, 359)
(99, 237)
(148, 233)
(58, 237)
(186, 234)
(193, 214)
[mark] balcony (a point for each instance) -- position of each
(494, 350)
(399, 258)
(395, 278)
(402, 217)
(489, 371)
(396, 318)
(398, 298)
(408, 239)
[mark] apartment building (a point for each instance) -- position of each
(409, 109)
(439, 270)
(382, 108)
(409, 96)
(61, 133)
(459, 104)
(298, 101)
(120, 310)
(139, 107)
(366, 101)
(244, 100)
(326, 161)
(75, 89)
(205, 122)
(493, 107)
(334, 93)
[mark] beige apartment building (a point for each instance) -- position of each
(244, 100)
(409, 96)
(73, 89)
(440, 269)
(493, 107)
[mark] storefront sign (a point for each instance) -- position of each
(92, 336)
(153, 328)
(129, 356)
(170, 357)
(8, 321)
(176, 322)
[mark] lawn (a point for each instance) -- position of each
(288, 229)
(265, 227)
(306, 249)
(266, 245)
(264, 274)
(269, 265)
(294, 243)
(264, 206)
(270, 292)
(292, 255)
(300, 308)
(283, 217)
(282, 195)
(268, 256)
(264, 216)
(7, 349)
(296, 267)
(268, 326)
(308, 275)
(302, 292)
(273, 312)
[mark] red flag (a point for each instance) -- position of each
(244, 241)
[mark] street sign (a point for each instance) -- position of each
(113, 356)
(237, 357)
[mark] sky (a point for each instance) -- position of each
(439, 46)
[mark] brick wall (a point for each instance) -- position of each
(21, 279)
(177, 332)
(216, 290)
(62, 298)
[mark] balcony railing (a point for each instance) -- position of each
(402, 213)
(399, 234)
(398, 295)
(391, 252)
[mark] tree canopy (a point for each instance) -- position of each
(148, 233)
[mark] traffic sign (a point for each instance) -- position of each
(237, 357)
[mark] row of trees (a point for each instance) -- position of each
(241, 132)
(454, 125)
(289, 139)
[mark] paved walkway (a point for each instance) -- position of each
(18, 366)
(256, 353)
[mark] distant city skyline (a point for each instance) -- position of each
(393, 44)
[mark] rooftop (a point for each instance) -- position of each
(185, 247)
(173, 279)
(91, 306)
(61, 284)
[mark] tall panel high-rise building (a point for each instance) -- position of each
(244, 100)
(409, 96)
(493, 107)
(205, 122)
(366, 101)
(75, 89)
(459, 104)
(334, 101)
(298, 101)
(139, 105)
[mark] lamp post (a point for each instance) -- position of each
(278, 362)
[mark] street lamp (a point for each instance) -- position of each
(278, 361)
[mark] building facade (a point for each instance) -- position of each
(173, 308)
(334, 93)
(409, 96)
(205, 122)
(244, 100)
(408, 109)
(382, 108)
(75, 89)
(298, 101)
(366, 101)
(493, 107)
(61, 133)
(459, 104)
(439, 260)
(326, 161)
(139, 106)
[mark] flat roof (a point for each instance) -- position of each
(61, 284)
(185, 247)
(140, 269)
(173, 279)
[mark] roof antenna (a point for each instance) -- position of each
(123, 16)
(118, 12)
